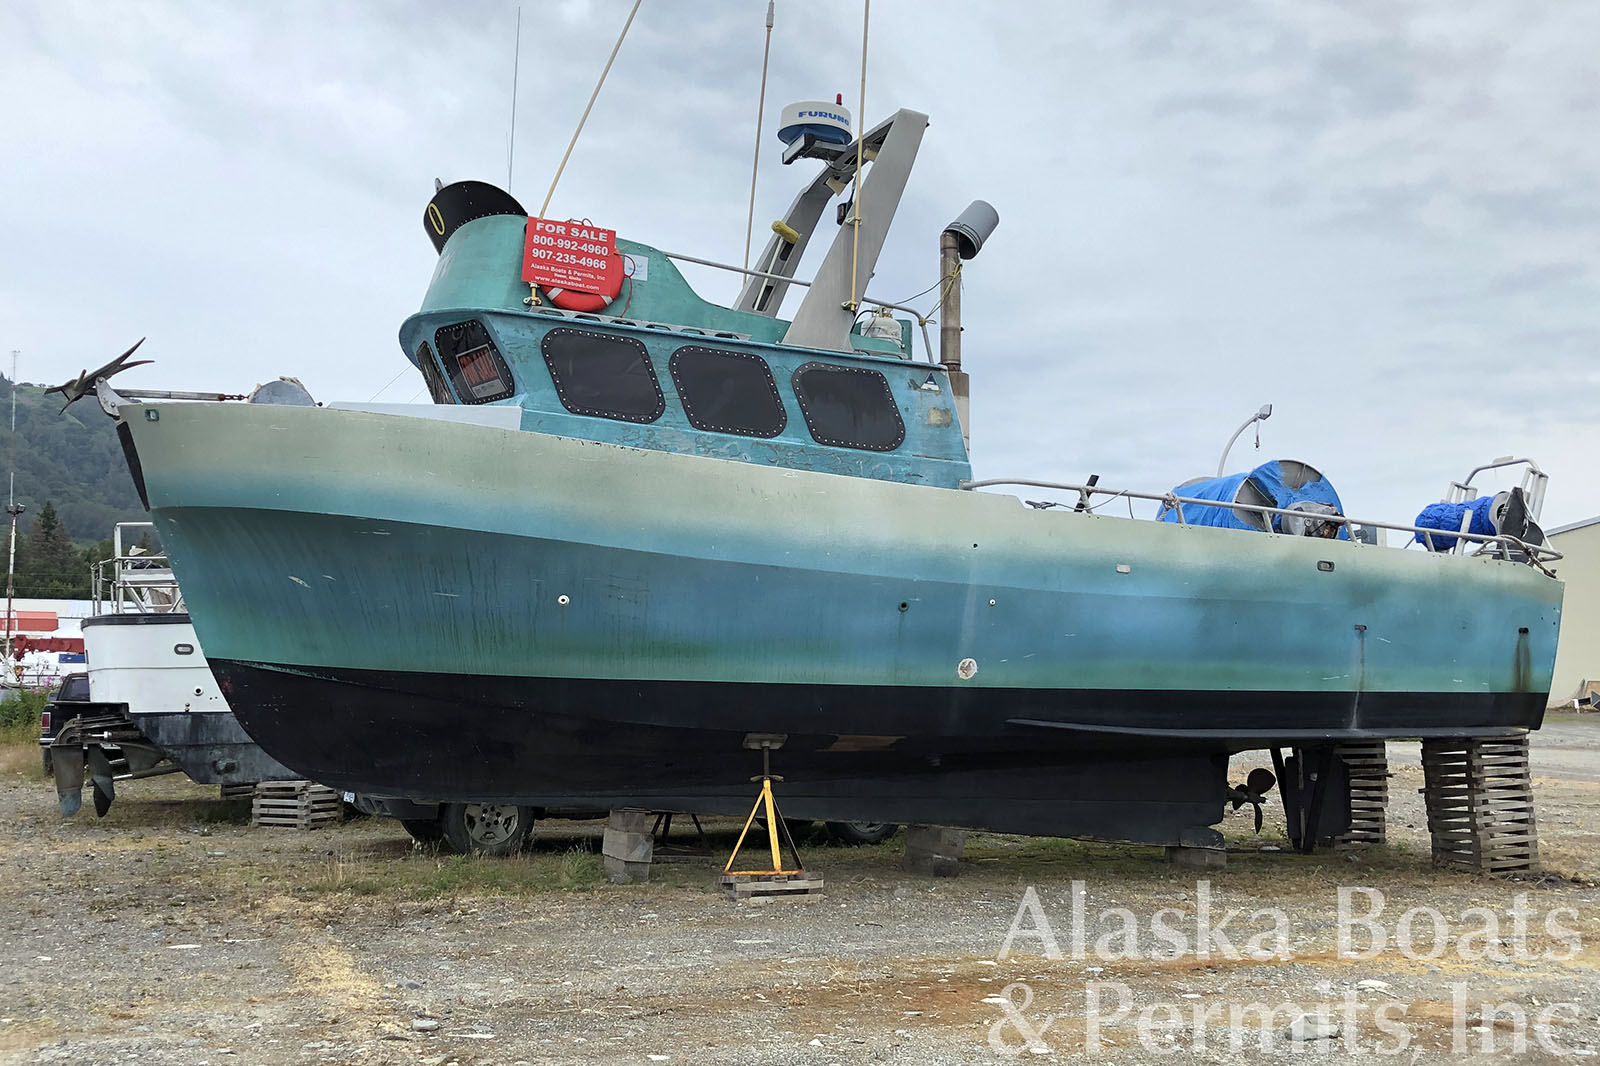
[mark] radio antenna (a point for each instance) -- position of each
(750, 221)
(516, 61)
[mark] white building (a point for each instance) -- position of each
(1578, 654)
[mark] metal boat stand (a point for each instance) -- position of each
(778, 881)
(679, 852)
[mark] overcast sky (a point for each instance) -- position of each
(1381, 218)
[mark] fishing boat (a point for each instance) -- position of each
(154, 707)
(637, 534)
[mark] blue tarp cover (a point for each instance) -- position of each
(1269, 479)
(1447, 516)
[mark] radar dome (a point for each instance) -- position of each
(825, 120)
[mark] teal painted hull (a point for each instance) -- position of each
(396, 543)
(363, 551)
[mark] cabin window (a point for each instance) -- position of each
(474, 364)
(431, 375)
(727, 392)
(601, 375)
(849, 406)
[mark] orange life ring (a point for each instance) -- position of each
(591, 302)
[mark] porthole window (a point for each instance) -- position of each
(437, 389)
(474, 364)
(603, 375)
(848, 406)
(727, 392)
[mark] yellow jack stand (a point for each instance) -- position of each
(778, 880)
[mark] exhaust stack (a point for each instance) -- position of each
(961, 239)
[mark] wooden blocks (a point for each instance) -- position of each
(628, 846)
(933, 851)
(1480, 804)
(295, 805)
(743, 887)
(1197, 858)
(1368, 764)
(243, 791)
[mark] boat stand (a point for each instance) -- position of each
(778, 881)
(680, 852)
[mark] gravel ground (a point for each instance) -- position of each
(170, 932)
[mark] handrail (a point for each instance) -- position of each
(1536, 553)
(116, 589)
(922, 320)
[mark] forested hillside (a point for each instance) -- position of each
(72, 479)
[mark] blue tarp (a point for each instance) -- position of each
(1270, 480)
(1447, 516)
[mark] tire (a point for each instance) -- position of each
(859, 834)
(424, 830)
(485, 828)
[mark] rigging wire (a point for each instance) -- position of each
(392, 380)
(861, 136)
(587, 107)
(761, 107)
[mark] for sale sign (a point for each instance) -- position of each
(571, 255)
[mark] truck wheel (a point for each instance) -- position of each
(857, 834)
(486, 828)
(424, 830)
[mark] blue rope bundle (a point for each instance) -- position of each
(1447, 516)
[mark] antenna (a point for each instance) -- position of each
(761, 106)
(11, 491)
(516, 61)
(861, 184)
(13, 511)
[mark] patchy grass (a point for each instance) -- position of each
(427, 874)
(19, 753)
(1573, 717)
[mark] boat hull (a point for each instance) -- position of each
(152, 665)
(444, 611)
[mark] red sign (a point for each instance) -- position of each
(571, 255)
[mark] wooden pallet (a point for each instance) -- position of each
(244, 791)
(1368, 764)
(295, 805)
(1480, 804)
(772, 886)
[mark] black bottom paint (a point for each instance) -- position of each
(211, 747)
(1142, 766)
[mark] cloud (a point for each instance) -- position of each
(1379, 218)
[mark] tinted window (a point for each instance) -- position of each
(431, 375)
(597, 374)
(727, 392)
(473, 363)
(849, 406)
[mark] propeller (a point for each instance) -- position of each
(1253, 791)
(86, 380)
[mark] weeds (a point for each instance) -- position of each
(19, 714)
(428, 875)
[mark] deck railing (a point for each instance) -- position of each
(134, 581)
(1504, 545)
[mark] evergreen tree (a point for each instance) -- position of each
(51, 564)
